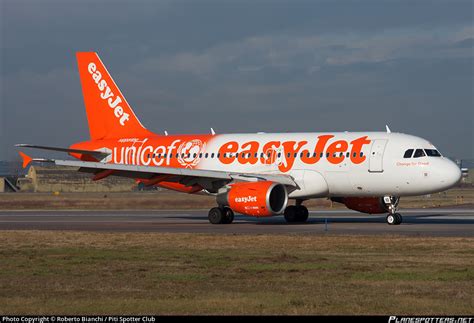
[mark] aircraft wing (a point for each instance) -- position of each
(210, 180)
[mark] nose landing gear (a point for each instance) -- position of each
(391, 203)
(394, 219)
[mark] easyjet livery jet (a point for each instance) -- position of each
(253, 174)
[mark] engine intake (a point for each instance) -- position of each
(263, 198)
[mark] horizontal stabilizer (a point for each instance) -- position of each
(96, 154)
(27, 159)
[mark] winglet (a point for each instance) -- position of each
(388, 129)
(26, 159)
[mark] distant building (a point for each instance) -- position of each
(9, 172)
(8, 185)
(68, 179)
(468, 177)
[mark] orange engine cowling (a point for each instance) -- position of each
(370, 205)
(255, 198)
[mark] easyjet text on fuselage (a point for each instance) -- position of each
(155, 152)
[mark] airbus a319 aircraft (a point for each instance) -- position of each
(253, 174)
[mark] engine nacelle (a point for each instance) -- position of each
(370, 205)
(255, 198)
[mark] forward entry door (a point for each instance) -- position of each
(376, 155)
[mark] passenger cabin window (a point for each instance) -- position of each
(419, 153)
(432, 153)
(408, 153)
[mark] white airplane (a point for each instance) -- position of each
(253, 174)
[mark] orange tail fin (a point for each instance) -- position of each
(108, 112)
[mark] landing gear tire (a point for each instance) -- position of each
(219, 215)
(302, 213)
(228, 215)
(391, 219)
(216, 215)
(394, 219)
(399, 218)
(290, 214)
(296, 214)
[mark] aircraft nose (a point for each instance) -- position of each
(450, 174)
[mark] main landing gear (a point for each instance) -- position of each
(296, 213)
(393, 218)
(221, 215)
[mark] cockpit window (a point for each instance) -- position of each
(432, 153)
(419, 153)
(408, 153)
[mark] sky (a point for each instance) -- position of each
(243, 66)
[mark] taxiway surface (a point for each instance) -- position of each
(428, 222)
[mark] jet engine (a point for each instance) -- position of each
(258, 199)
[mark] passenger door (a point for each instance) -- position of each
(376, 155)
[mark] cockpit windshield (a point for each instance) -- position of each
(408, 153)
(419, 153)
(432, 153)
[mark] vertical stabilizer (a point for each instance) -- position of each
(108, 112)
